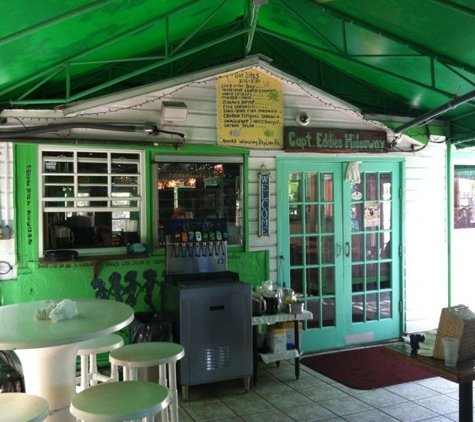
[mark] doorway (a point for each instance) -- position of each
(340, 248)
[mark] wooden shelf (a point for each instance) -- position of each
(96, 260)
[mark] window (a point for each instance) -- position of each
(91, 199)
(199, 189)
(464, 196)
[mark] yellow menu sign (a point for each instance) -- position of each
(250, 110)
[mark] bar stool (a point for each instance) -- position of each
(23, 407)
(120, 401)
(88, 351)
(142, 355)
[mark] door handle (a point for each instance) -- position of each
(338, 249)
(347, 244)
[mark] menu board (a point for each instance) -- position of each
(250, 110)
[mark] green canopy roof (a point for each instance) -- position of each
(408, 58)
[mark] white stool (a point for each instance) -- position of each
(88, 351)
(22, 407)
(120, 401)
(142, 355)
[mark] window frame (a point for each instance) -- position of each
(140, 200)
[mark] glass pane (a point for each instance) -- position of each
(313, 305)
(372, 215)
(385, 282)
(371, 307)
(326, 218)
(295, 219)
(385, 186)
(326, 191)
(371, 187)
(357, 251)
(357, 314)
(312, 282)
(385, 305)
(386, 215)
(311, 187)
(357, 274)
(296, 280)
(294, 187)
(385, 244)
(328, 312)
(312, 251)
(328, 280)
(357, 217)
(328, 257)
(296, 256)
(311, 218)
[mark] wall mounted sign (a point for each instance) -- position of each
(334, 140)
(250, 110)
(264, 204)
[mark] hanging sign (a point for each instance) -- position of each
(250, 110)
(264, 204)
(334, 140)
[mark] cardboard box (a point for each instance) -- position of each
(459, 322)
(277, 339)
(290, 335)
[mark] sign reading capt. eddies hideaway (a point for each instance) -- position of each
(334, 140)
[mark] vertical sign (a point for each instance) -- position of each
(250, 110)
(264, 204)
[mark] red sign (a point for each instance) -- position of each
(334, 140)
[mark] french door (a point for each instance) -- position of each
(340, 248)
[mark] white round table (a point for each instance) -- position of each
(47, 350)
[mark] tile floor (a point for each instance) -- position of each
(279, 397)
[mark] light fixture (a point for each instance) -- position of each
(174, 111)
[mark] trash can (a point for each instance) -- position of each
(146, 327)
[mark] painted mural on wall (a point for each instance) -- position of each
(129, 288)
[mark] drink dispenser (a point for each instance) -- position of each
(196, 246)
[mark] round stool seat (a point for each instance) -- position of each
(142, 355)
(156, 353)
(120, 401)
(22, 407)
(100, 344)
(88, 351)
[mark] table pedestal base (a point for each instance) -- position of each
(50, 372)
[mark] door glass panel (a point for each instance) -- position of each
(371, 253)
(312, 257)
(357, 308)
(328, 280)
(312, 250)
(313, 282)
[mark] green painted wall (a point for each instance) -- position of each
(135, 280)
